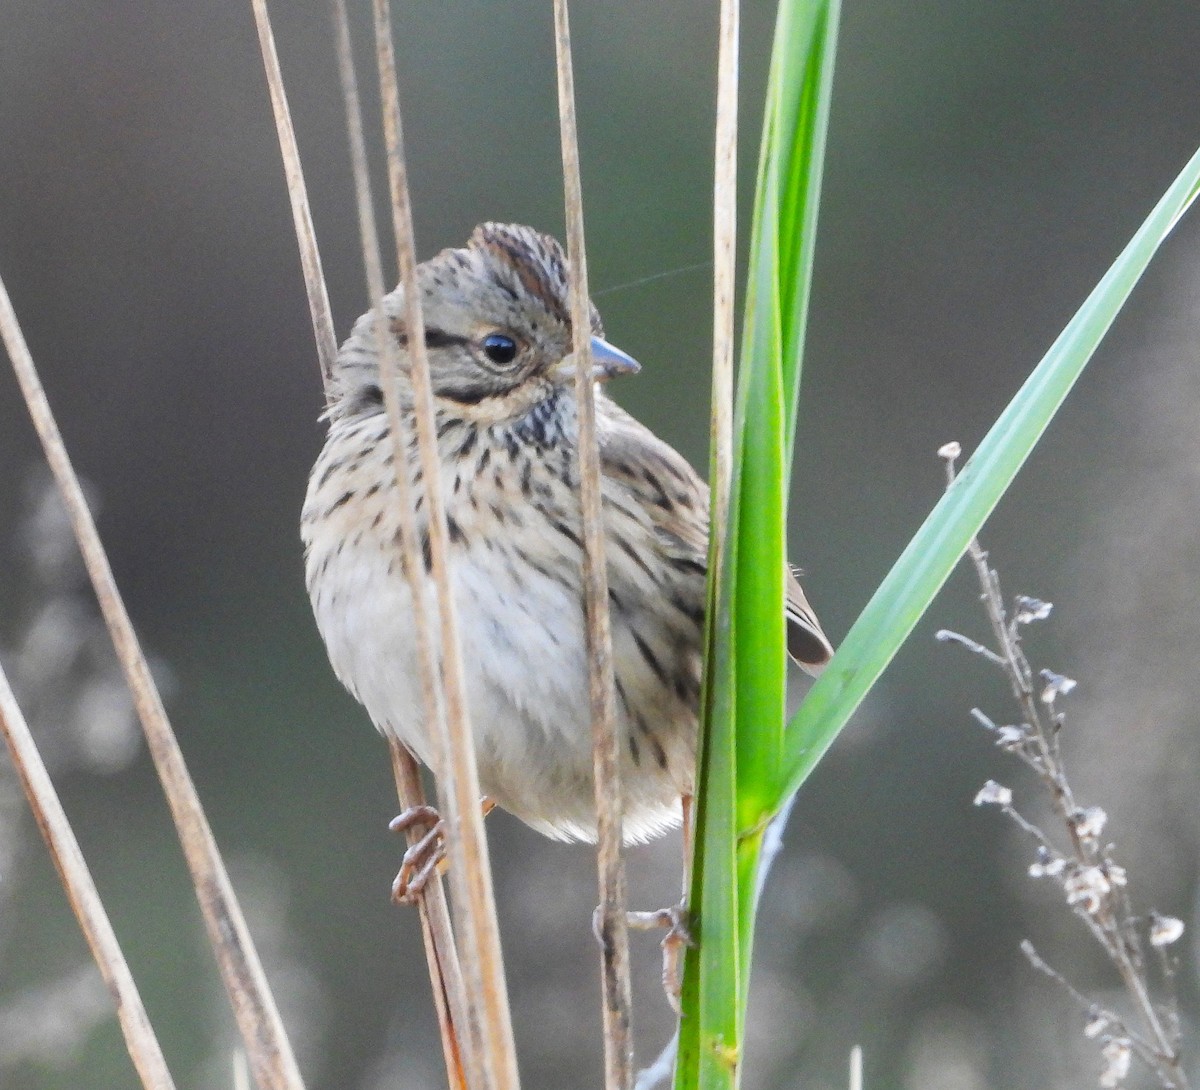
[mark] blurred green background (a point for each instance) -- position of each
(986, 162)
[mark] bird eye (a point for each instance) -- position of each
(499, 348)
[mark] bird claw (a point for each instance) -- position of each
(425, 855)
(677, 939)
(674, 919)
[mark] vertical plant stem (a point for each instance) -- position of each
(254, 1009)
(743, 695)
(613, 929)
(470, 870)
(81, 892)
(724, 274)
(441, 955)
(724, 286)
(440, 952)
(310, 257)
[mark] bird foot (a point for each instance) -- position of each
(677, 939)
(425, 856)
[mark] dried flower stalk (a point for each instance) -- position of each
(441, 953)
(1093, 883)
(445, 972)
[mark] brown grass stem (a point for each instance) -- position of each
(440, 951)
(474, 900)
(441, 955)
(724, 325)
(81, 892)
(306, 236)
(254, 1009)
(612, 920)
(724, 266)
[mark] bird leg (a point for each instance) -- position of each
(675, 919)
(677, 939)
(426, 855)
(686, 806)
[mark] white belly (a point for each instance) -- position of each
(515, 577)
(526, 681)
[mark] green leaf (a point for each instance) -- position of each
(929, 558)
(743, 709)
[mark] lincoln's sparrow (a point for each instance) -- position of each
(498, 333)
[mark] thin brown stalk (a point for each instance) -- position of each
(724, 266)
(724, 281)
(440, 951)
(81, 892)
(306, 236)
(470, 869)
(445, 972)
(612, 919)
(1115, 1026)
(254, 1008)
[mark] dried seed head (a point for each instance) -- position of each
(993, 794)
(1032, 609)
(1047, 864)
(1056, 685)
(1096, 1024)
(1089, 823)
(1164, 930)
(1117, 1055)
(1087, 888)
(1012, 737)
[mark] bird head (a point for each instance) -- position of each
(498, 331)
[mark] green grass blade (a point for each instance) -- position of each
(743, 702)
(806, 43)
(918, 575)
(781, 256)
(782, 247)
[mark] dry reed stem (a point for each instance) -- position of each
(310, 257)
(445, 972)
(81, 892)
(724, 269)
(474, 900)
(724, 294)
(254, 1008)
(440, 951)
(606, 750)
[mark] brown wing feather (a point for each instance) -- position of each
(676, 501)
(670, 492)
(806, 642)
